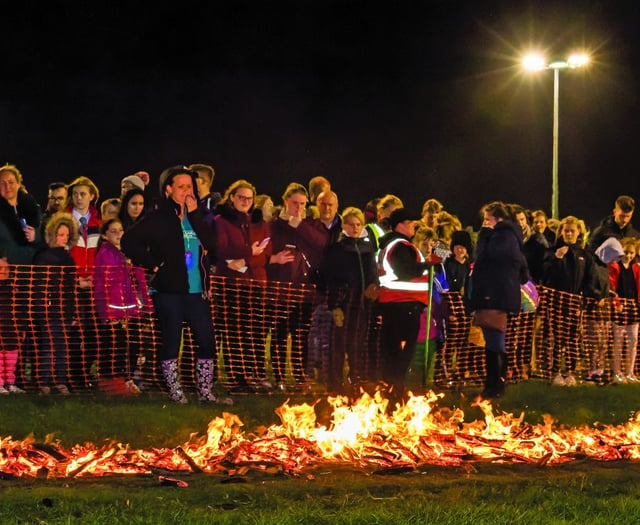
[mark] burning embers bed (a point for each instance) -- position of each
(363, 434)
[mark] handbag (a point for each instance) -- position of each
(529, 296)
(490, 318)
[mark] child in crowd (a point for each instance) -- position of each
(569, 268)
(422, 366)
(118, 292)
(9, 342)
(54, 304)
(624, 278)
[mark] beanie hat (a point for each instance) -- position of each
(462, 238)
(135, 180)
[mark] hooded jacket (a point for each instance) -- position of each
(499, 269)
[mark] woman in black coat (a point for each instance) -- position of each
(499, 269)
(350, 273)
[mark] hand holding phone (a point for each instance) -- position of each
(264, 242)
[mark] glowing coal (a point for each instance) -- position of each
(362, 434)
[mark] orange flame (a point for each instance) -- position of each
(365, 434)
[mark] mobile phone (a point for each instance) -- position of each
(264, 242)
(291, 247)
(23, 222)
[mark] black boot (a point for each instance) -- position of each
(502, 373)
(491, 383)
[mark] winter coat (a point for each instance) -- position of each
(614, 275)
(609, 228)
(54, 289)
(156, 242)
(456, 273)
(349, 266)
(84, 252)
(308, 241)
(12, 239)
(120, 290)
(499, 269)
(575, 273)
(535, 250)
(236, 232)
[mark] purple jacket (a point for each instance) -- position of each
(120, 290)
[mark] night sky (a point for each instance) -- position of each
(420, 99)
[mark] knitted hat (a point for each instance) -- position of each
(462, 238)
(135, 180)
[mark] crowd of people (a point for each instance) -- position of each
(375, 276)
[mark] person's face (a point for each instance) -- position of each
(135, 206)
(521, 218)
(9, 186)
(62, 236)
(114, 233)
(460, 252)
(296, 204)
(82, 197)
(352, 226)
(56, 199)
(242, 199)
(430, 219)
(630, 254)
(570, 234)
(539, 223)
(328, 207)
(488, 220)
(110, 212)
(181, 186)
(407, 228)
(4, 269)
(267, 210)
(622, 218)
(204, 184)
(426, 246)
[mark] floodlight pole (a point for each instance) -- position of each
(555, 209)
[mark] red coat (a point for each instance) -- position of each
(84, 252)
(236, 233)
(614, 276)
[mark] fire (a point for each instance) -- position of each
(365, 433)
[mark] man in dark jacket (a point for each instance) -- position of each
(174, 241)
(617, 225)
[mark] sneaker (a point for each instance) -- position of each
(632, 379)
(62, 390)
(619, 379)
(570, 380)
(13, 389)
(45, 390)
(3, 390)
(558, 380)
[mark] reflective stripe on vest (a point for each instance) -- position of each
(394, 290)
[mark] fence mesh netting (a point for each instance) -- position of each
(58, 333)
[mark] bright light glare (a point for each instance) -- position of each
(534, 62)
(578, 60)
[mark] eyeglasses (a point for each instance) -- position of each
(245, 198)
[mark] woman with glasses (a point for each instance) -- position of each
(243, 251)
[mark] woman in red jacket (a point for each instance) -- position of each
(242, 253)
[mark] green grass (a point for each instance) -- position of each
(478, 493)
